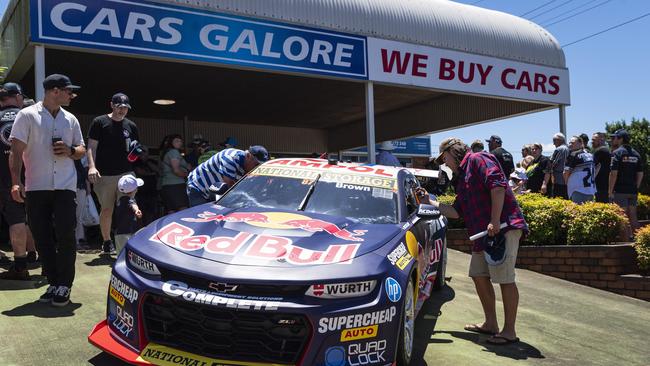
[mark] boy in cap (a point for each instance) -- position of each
(127, 211)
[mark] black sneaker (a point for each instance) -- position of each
(16, 275)
(32, 258)
(108, 248)
(61, 296)
(48, 295)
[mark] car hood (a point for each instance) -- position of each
(262, 237)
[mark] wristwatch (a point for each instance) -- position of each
(73, 149)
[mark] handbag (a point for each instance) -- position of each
(89, 214)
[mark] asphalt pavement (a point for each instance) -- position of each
(559, 323)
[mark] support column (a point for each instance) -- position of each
(370, 122)
(563, 120)
(39, 72)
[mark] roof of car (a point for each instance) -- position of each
(381, 171)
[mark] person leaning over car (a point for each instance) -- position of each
(227, 166)
(484, 200)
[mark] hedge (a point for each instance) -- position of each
(643, 207)
(642, 246)
(555, 221)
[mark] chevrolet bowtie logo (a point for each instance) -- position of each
(222, 287)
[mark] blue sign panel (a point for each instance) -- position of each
(187, 33)
(412, 146)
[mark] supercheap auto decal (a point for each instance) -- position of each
(122, 309)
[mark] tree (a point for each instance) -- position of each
(639, 130)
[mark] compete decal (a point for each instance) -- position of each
(257, 246)
(378, 317)
(182, 290)
(393, 289)
(281, 220)
(400, 257)
(121, 291)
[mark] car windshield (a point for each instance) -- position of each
(365, 204)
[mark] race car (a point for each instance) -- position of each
(302, 262)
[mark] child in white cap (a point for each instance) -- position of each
(127, 211)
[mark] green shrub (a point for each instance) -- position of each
(642, 246)
(643, 207)
(595, 223)
(453, 223)
(547, 218)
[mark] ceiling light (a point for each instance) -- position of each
(164, 101)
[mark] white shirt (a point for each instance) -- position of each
(45, 171)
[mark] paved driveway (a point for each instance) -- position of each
(559, 323)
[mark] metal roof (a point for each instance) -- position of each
(436, 23)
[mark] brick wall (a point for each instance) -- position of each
(607, 267)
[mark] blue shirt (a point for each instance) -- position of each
(386, 158)
(227, 163)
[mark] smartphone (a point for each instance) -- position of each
(56, 139)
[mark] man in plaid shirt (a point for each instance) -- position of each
(484, 200)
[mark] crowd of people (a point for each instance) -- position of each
(49, 174)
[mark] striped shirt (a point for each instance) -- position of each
(227, 163)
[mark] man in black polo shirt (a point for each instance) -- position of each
(109, 143)
(602, 158)
(502, 155)
(536, 170)
(625, 176)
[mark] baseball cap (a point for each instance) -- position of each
(495, 249)
(621, 134)
(128, 183)
(259, 152)
(519, 173)
(58, 81)
(494, 138)
(445, 145)
(386, 146)
(9, 89)
(121, 100)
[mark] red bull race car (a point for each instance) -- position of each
(302, 262)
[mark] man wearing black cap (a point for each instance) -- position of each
(228, 166)
(503, 156)
(625, 176)
(11, 101)
(47, 138)
(109, 143)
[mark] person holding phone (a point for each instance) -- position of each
(47, 139)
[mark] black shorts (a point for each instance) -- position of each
(12, 211)
(174, 196)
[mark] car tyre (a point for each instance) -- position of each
(407, 327)
(441, 271)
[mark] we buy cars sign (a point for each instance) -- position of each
(403, 63)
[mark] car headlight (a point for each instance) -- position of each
(141, 264)
(341, 290)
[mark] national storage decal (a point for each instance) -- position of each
(193, 34)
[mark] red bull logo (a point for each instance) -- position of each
(281, 220)
(267, 247)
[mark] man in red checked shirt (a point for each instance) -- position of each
(484, 200)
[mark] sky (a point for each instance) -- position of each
(609, 74)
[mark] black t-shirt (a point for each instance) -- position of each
(114, 139)
(505, 159)
(126, 222)
(627, 162)
(603, 157)
(7, 117)
(537, 172)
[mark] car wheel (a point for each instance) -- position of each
(442, 269)
(407, 328)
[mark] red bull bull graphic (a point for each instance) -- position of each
(267, 247)
(275, 220)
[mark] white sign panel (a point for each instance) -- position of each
(404, 63)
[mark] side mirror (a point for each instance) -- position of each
(218, 189)
(428, 212)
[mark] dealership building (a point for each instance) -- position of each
(296, 76)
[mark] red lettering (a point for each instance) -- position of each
(553, 81)
(540, 83)
(524, 81)
(395, 58)
(447, 69)
(382, 172)
(332, 251)
(193, 243)
(296, 253)
(484, 73)
(172, 233)
(419, 64)
(461, 74)
(279, 162)
(226, 245)
(267, 246)
(349, 252)
(306, 163)
(361, 169)
(504, 78)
